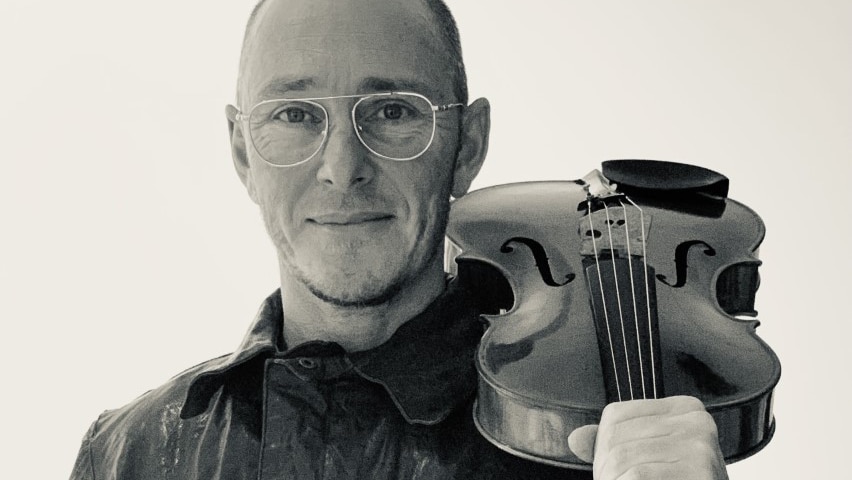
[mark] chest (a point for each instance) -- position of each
(311, 419)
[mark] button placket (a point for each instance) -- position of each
(293, 414)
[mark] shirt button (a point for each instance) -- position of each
(308, 363)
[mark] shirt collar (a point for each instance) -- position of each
(427, 366)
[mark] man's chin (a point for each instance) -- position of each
(359, 278)
(351, 286)
(355, 299)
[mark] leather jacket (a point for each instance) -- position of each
(401, 410)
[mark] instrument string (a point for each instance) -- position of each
(603, 300)
(618, 298)
(633, 298)
(647, 296)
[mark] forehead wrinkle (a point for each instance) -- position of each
(405, 78)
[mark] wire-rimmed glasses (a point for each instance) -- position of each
(392, 125)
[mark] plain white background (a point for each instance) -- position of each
(130, 250)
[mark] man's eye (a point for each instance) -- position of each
(293, 115)
(296, 114)
(393, 111)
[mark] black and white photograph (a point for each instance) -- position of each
(425, 239)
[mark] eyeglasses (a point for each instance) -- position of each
(394, 125)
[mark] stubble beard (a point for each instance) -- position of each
(375, 290)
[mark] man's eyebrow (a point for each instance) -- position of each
(377, 84)
(280, 87)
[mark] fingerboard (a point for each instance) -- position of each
(625, 314)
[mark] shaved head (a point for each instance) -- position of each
(442, 21)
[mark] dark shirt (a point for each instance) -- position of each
(401, 410)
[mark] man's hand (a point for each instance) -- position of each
(669, 438)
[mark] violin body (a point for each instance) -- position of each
(562, 348)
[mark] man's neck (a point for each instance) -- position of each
(308, 318)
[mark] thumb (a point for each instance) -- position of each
(582, 442)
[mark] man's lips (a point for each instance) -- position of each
(348, 218)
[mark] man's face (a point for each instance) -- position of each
(350, 226)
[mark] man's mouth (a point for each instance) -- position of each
(348, 218)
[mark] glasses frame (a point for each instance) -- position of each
(361, 97)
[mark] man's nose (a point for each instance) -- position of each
(344, 161)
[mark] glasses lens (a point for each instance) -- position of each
(286, 132)
(397, 126)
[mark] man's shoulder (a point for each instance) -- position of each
(150, 415)
(172, 392)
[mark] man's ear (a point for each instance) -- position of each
(238, 151)
(476, 126)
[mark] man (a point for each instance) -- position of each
(360, 366)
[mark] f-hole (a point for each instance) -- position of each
(541, 260)
(681, 254)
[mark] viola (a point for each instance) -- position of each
(635, 282)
